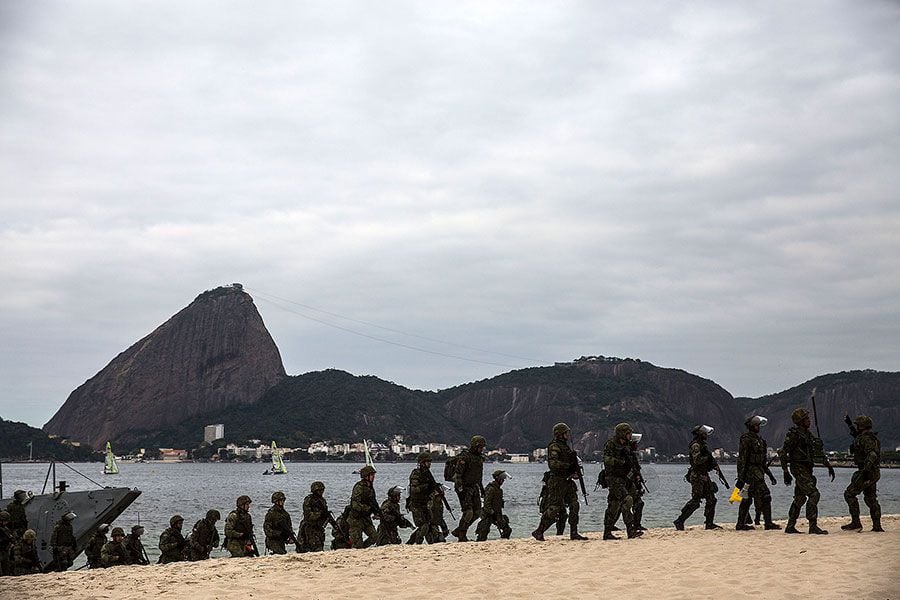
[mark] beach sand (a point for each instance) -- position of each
(663, 564)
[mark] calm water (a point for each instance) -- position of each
(190, 489)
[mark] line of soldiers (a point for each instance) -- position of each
(558, 502)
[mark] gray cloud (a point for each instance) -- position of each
(707, 186)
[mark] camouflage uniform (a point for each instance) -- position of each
(339, 538)
(204, 537)
(25, 559)
(137, 555)
(363, 505)
(492, 513)
(6, 542)
(239, 532)
(423, 489)
(467, 481)
(94, 548)
(172, 545)
(391, 519)
(278, 529)
(436, 505)
(752, 468)
(866, 451)
(311, 536)
(561, 491)
(544, 496)
(18, 520)
(702, 487)
(798, 453)
(618, 464)
(115, 553)
(62, 542)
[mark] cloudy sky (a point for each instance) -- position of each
(435, 193)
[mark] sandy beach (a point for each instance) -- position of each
(663, 564)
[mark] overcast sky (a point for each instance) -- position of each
(707, 186)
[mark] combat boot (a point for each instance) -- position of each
(814, 528)
(560, 529)
(854, 524)
(744, 527)
(876, 524)
(679, 524)
(771, 525)
(614, 528)
(793, 513)
(767, 516)
(538, 535)
(608, 535)
(574, 535)
(714, 526)
(634, 533)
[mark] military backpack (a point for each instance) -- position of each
(450, 468)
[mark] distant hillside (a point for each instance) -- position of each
(14, 439)
(874, 393)
(213, 354)
(323, 405)
(517, 410)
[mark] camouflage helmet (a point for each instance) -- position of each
(561, 428)
(29, 535)
(423, 456)
(213, 514)
(70, 516)
(478, 440)
(317, 486)
(242, 500)
(624, 430)
(863, 422)
(499, 474)
(103, 527)
(176, 519)
(798, 415)
(137, 530)
(20, 495)
(279, 495)
(395, 491)
(118, 531)
(4, 516)
(366, 471)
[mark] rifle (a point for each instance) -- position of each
(850, 425)
(444, 501)
(254, 549)
(815, 414)
(579, 473)
(721, 475)
(334, 525)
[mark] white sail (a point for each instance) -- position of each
(110, 467)
(369, 461)
(277, 463)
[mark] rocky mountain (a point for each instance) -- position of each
(873, 393)
(213, 354)
(517, 410)
(15, 437)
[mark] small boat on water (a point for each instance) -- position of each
(92, 508)
(278, 467)
(109, 465)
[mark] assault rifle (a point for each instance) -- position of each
(636, 467)
(254, 549)
(440, 490)
(579, 475)
(336, 526)
(721, 475)
(850, 425)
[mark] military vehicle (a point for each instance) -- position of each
(93, 507)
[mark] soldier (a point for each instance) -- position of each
(363, 506)
(866, 450)
(95, 546)
(391, 519)
(618, 464)
(172, 545)
(239, 540)
(278, 527)
(137, 555)
(753, 468)
(339, 538)
(423, 489)
(436, 505)
(311, 535)
(18, 520)
(564, 468)
(62, 542)
(25, 559)
(467, 481)
(492, 513)
(114, 552)
(635, 481)
(544, 496)
(6, 542)
(799, 451)
(702, 487)
(204, 536)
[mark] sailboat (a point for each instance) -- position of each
(369, 461)
(278, 467)
(109, 466)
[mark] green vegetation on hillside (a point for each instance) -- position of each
(14, 439)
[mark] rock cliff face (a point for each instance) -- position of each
(213, 354)
(872, 393)
(517, 410)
